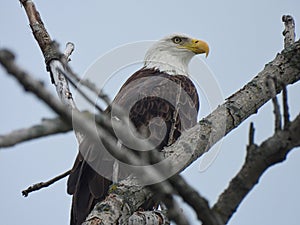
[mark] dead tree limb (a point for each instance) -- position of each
(41, 185)
(45, 128)
(258, 160)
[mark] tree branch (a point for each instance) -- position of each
(277, 114)
(45, 128)
(286, 114)
(289, 39)
(258, 160)
(289, 31)
(69, 50)
(196, 201)
(251, 134)
(115, 207)
(41, 185)
(54, 59)
(39, 32)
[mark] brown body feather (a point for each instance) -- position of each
(159, 105)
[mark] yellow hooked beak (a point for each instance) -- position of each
(197, 46)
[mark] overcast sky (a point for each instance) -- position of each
(243, 37)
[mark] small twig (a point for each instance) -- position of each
(286, 115)
(41, 185)
(251, 134)
(69, 50)
(277, 114)
(251, 144)
(289, 31)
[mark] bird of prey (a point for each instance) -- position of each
(161, 101)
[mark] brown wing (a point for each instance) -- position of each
(159, 105)
(86, 185)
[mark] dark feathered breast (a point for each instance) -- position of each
(159, 105)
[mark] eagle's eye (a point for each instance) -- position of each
(176, 40)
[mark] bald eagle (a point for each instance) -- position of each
(161, 101)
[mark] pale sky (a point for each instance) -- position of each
(243, 37)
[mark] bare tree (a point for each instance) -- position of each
(125, 198)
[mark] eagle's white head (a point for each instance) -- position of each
(173, 53)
